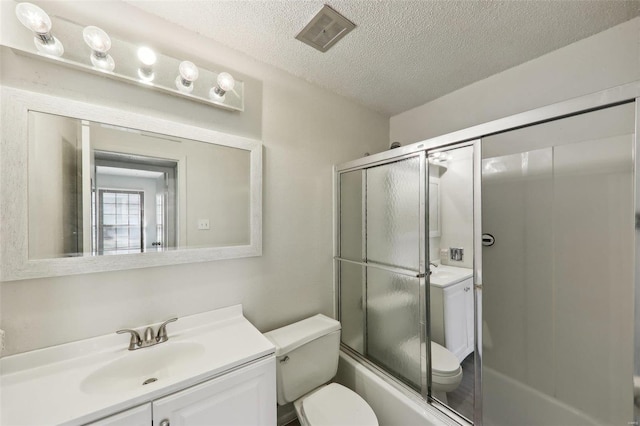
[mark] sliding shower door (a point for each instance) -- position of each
(558, 199)
(381, 266)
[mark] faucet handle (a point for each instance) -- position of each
(135, 338)
(162, 331)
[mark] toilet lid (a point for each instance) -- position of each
(443, 361)
(335, 405)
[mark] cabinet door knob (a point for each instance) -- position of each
(165, 422)
(467, 289)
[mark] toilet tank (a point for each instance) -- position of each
(306, 355)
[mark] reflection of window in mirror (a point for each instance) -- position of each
(121, 223)
(143, 222)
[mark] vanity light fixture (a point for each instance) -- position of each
(141, 65)
(100, 43)
(37, 20)
(188, 74)
(147, 58)
(226, 82)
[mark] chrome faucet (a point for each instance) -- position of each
(433, 264)
(150, 338)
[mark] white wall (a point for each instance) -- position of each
(604, 60)
(305, 130)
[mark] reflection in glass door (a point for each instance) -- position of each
(451, 282)
(558, 281)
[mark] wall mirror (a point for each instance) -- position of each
(99, 190)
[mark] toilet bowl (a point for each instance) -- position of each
(445, 368)
(446, 372)
(334, 404)
(306, 359)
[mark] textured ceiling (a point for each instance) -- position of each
(402, 53)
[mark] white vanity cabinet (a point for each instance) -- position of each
(452, 317)
(244, 397)
(138, 416)
(215, 368)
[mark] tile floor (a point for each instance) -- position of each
(461, 399)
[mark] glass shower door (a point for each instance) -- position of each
(381, 266)
(558, 281)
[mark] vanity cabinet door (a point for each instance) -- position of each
(452, 318)
(138, 416)
(455, 319)
(244, 397)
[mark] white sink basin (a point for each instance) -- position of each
(442, 275)
(445, 275)
(159, 362)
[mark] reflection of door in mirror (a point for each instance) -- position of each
(55, 181)
(136, 207)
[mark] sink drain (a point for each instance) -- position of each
(151, 380)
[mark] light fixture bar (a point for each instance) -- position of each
(120, 60)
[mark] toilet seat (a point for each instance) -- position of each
(446, 372)
(335, 405)
(443, 361)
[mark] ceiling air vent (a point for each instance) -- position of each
(325, 29)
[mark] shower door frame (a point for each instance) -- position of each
(420, 273)
(619, 95)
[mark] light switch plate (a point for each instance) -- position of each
(203, 224)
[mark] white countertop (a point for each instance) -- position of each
(445, 275)
(48, 386)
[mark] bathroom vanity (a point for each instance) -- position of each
(216, 369)
(451, 291)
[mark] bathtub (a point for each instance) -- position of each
(507, 401)
(392, 407)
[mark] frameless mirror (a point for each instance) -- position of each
(98, 189)
(89, 188)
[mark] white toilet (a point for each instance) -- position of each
(307, 357)
(446, 372)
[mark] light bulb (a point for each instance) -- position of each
(147, 56)
(226, 81)
(100, 43)
(96, 39)
(37, 20)
(34, 18)
(188, 74)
